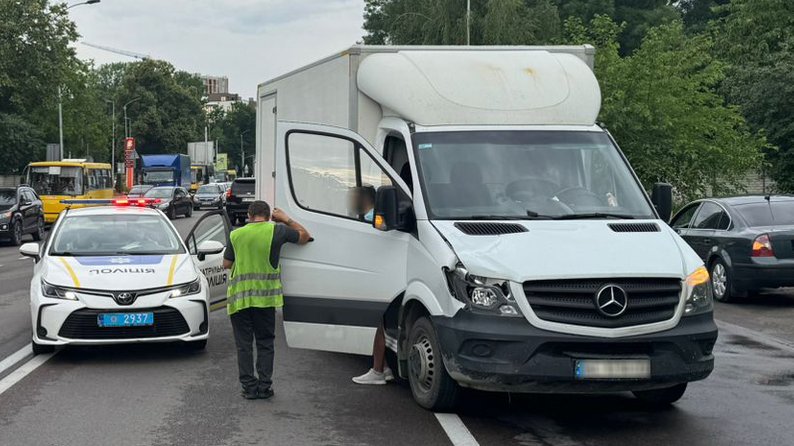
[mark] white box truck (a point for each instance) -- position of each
(511, 246)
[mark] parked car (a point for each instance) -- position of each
(21, 212)
(746, 242)
(238, 197)
(139, 190)
(174, 201)
(210, 195)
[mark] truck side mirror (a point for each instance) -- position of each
(386, 212)
(662, 199)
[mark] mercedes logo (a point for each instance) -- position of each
(611, 300)
(125, 298)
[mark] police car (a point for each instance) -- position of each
(119, 273)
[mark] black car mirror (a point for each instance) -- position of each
(662, 199)
(386, 218)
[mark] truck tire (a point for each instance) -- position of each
(431, 385)
(661, 397)
(40, 349)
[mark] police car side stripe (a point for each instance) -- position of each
(71, 272)
(172, 269)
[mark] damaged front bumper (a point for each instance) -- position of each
(508, 354)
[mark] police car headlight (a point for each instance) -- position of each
(482, 295)
(57, 292)
(187, 289)
(700, 298)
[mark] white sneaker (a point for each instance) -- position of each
(371, 378)
(388, 375)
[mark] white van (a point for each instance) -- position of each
(512, 246)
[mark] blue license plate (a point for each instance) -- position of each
(125, 319)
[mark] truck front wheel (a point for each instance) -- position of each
(661, 397)
(431, 385)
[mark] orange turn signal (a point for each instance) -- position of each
(700, 276)
(380, 223)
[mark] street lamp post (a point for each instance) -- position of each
(113, 141)
(127, 128)
(468, 22)
(88, 2)
(242, 152)
(60, 99)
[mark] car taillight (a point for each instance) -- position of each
(229, 193)
(762, 247)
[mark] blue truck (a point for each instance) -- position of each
(166, 170)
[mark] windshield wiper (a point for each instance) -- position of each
(533, 216)
(590, 215)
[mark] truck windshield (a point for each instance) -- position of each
(496, 175)
(56, 180)
(158, 176)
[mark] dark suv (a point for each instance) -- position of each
(238, 198)
(21, 213)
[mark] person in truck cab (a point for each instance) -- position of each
(255, 291)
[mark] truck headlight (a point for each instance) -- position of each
(56, 292)
(700, 298)
(187, 289)
(482, 295)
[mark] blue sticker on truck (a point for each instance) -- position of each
(425, 146)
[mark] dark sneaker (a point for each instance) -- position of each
(264, 394)
(249, 395)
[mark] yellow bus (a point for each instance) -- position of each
(68, 179)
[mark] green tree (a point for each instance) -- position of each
(698, 13)
(661, 105)
(756, 39)
(229, 126)
(167, 111)
(35, 59)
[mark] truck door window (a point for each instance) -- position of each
(333, 175)
(322, 172)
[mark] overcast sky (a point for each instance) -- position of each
(249, 41)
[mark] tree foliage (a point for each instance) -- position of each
(227, 129)
(165, 106)
(661, 104)
(756, 39)
(35, 60)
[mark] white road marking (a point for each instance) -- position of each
(755, 335)
(23, 371)
(14, 358)
(457, 432)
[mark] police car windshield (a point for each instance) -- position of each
(99, 235)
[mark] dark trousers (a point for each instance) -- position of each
(255, 325)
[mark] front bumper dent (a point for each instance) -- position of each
(508, 354)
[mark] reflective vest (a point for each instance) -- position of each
(254, 282)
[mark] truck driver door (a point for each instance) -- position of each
(337, 287)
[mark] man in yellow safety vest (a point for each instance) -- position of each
(255, 291)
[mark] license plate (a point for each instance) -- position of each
(612, 369)
(125, 319)
(245, 200)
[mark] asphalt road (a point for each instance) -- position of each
(164, 395)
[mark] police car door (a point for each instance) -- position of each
(212, 226)
(336, 288)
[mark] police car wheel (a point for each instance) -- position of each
(431, 385)
(197, 345)
(40, 349)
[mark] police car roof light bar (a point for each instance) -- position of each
(113, 202)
